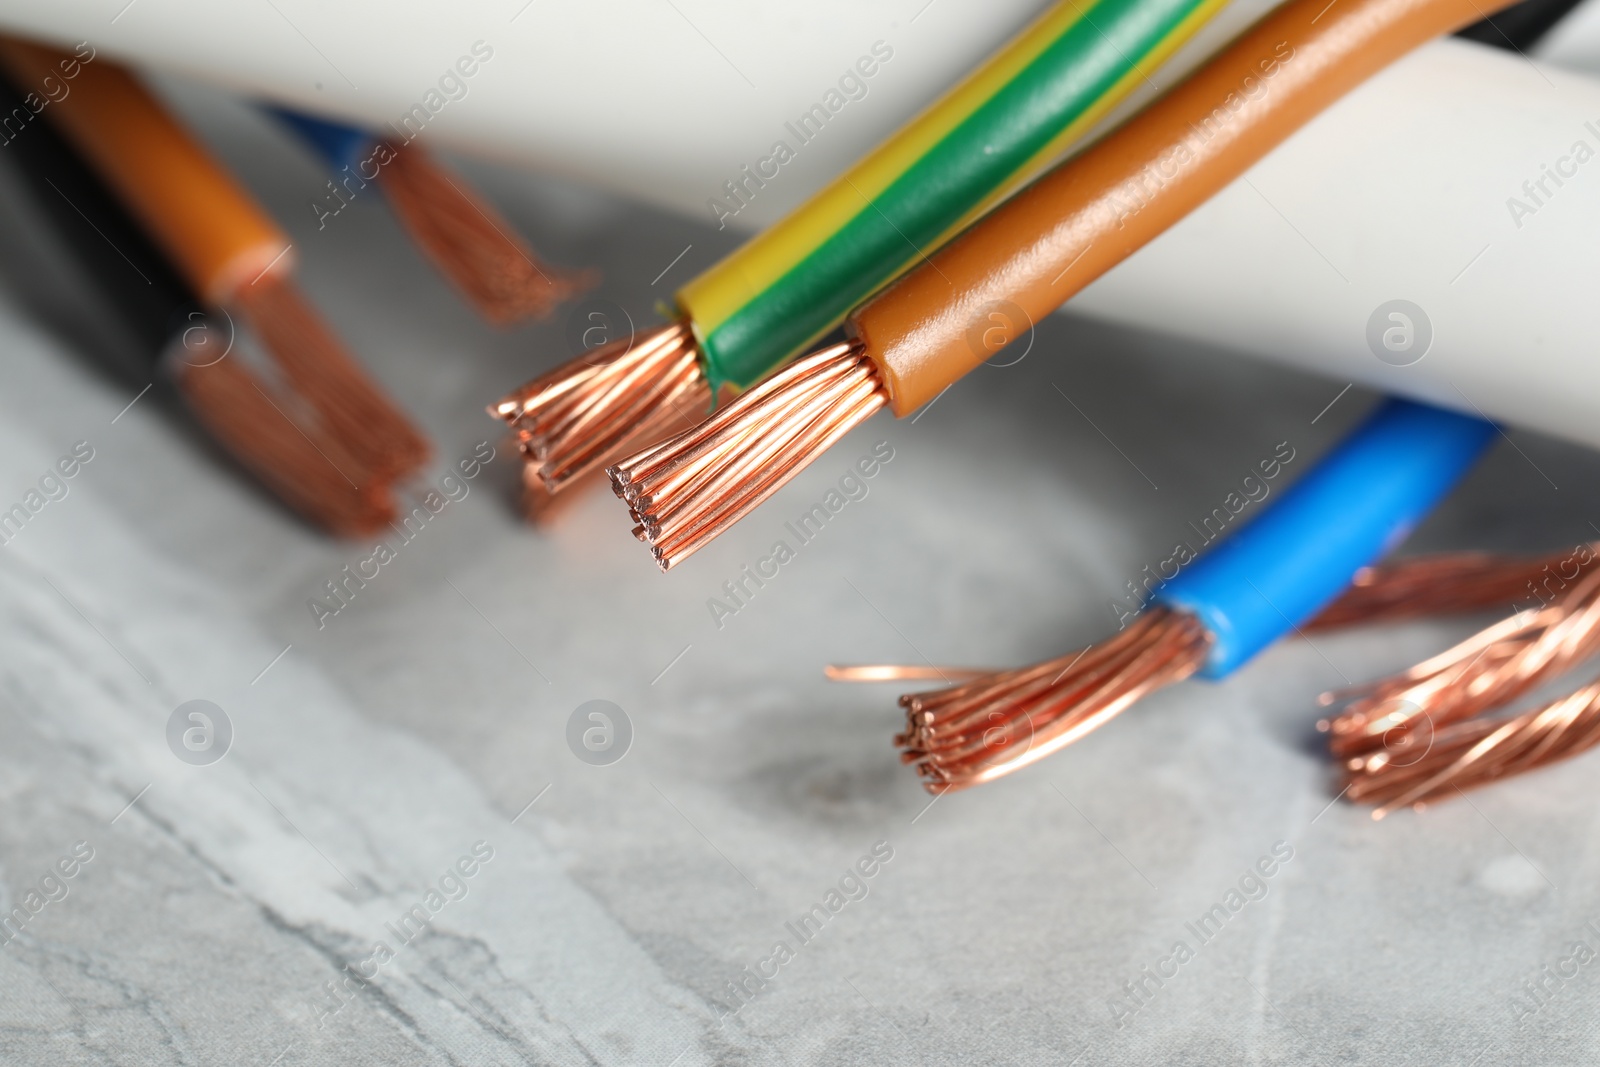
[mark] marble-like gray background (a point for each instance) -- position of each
(428, 714)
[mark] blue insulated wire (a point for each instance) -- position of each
(1357, 503)
(342, 146)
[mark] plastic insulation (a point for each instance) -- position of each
(1085, 216)
(209, 226)
(1521, 26)
(784, 289)
(1356, 504)
(144, 291)
(343, 147)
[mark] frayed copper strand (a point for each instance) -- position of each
(1441, 706)
(999, 723)
(352, 407)
(305, 468)
(589, 411)
(471, 243)
(1439, 765)
(1489, 669)
(686, 491)
(1441, 584)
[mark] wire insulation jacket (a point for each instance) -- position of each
(1085, 216)
(796, 281)
(1357, 503)
(208, 224)
(145, 292)
(340, 145)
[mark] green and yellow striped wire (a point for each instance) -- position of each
(781, 291)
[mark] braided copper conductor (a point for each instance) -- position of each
(589, 410)
(998, 723)
(471, 243)
(1446, 583)
(307, 468)
(968, 733)
(1470, 754)
(350, 403)
(1442, 705)
(685, 491)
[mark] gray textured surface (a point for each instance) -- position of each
(427, 714)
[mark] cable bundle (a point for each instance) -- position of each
(229, 254)
(1031, 254)
(762, 305)
(1412, 739)
(1262, 582)
(1441, 727)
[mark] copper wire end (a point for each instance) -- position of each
(1423, 733)
(352, 407)
(998, 723)
(306, 468)
(687, 490)
(1418, 765)
(588, 411)
(1441, 584)
(471, 243)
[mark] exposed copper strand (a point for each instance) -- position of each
(998, 723)
(650, 461)
(686, 491)
(682, 476)
(1451, 582)
(1423, 734)
(351, 406)
(1478, 753)
(592, 409)
(306, 468)
(471, 243)
(611, 380)
(1489, 669)
(818, 441)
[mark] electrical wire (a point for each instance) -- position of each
(1471, 754)
(1025, 258)
(1210, 619)
(1441, 727)
(1443, 583)
(227, 249)
(792, 284)
(461, 233)
(174, 339)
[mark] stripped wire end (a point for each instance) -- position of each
(589, 410)
(685, 491)
(351, 406)
(985, 729)
(306, 468)
(1426, 765)
(471, 243)
(1427, 732)
(1441, 584)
